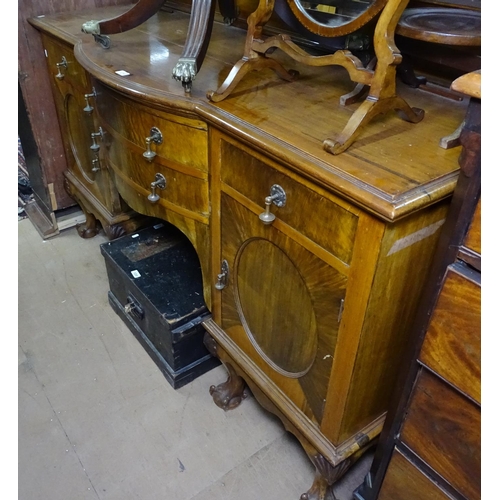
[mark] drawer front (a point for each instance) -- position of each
(452, 345)
(184, 193)
(73, 74)
(305, 209)
(403, 480)
(473, 237)
(443, 428)
(184, 140)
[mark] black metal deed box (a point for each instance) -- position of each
(156, 288)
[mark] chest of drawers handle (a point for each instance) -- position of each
(276, 196)
(161, 183)
(62, 64)
(88, 108)
(154, 136)
(94, 135)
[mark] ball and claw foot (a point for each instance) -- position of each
(229, 394)
(185, 72)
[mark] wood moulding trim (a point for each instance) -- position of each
(309, 431)
(328, 175)
(96, 204)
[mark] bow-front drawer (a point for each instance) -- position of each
(180, 140)
(158, 188)
(64, 66)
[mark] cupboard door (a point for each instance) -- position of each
(281, 305)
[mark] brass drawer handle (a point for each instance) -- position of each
(160, 183)
(62, 64)
(223, 277)
(154, 136)
(276, 196)
(94, 135)
(88, 108)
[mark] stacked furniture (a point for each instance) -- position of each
(431, 445)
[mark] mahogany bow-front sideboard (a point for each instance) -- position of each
(312, 263)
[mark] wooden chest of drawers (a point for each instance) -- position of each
(431, 445)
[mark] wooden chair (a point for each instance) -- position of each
(444, 22)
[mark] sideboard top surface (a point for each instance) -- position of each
(394, 167)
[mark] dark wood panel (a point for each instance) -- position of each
(444, 429)
(473, 238)
(405, 481)
(452, 346)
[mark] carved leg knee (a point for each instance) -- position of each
(234, 390)
(230, 393)
(88, 229)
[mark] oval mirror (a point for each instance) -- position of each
(333, 18)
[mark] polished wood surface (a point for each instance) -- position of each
(469, 84)
(385, 172)
(452, 346)
(473, 238)
(444, 429)
(35, 84)
(87, 179)
(442, 25)
(404, 480)
(138, 13)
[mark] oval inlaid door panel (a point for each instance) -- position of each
(267, 280)
(282, 303)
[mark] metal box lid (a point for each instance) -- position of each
(163, 265)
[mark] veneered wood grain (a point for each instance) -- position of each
(35, 84)
(473, 237)
(184, 139)
(452, 345)
(197, 231)
(443, 428)
(386, 171)
(365, 257)
(331, 225)
(324, 289)
(68, 93)
(403, 262)
(405, 480)
(183, 193)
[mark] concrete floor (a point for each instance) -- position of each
(97, 419)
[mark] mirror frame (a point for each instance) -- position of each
(335, 31)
